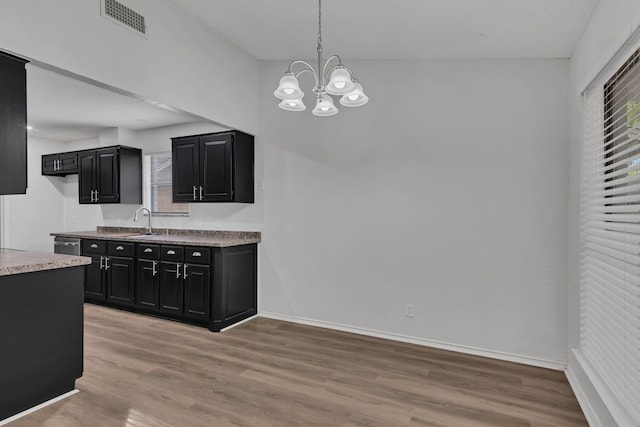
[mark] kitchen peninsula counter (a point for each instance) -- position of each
(16, 262)
(41, 327)
(173, 236)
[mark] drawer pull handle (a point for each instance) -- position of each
(196, 254)
(171, 252)
(148, 250)
(119, 248)
(93, 245)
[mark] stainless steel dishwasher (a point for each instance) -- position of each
(66, 245)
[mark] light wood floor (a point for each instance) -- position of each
(142, 371)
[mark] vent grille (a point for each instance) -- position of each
(123, 14)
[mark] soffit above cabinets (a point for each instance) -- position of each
(61, 108)
(400, 29)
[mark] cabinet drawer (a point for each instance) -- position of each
(148, 251)
(120, 249)
(94, 247)
(171, 253)
(197, 255)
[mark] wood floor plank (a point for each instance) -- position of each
(142, 371)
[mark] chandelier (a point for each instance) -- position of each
(341, 83)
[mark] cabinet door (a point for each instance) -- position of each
(147, 284)
(120, 280)
(171, 287)
(185, 170)
(93, 278)
(216, 176)
(69, 162)
(197, 280)
(13, 125)
(49, 163)
(86, 175)
(108, 176)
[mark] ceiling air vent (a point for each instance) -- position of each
(120, 13)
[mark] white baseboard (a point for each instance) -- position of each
(238, 323)
(509, 357)
(40, 406)
(599, 404)
(582, 397)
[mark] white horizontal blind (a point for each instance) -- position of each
(160, 171)
(610, 234)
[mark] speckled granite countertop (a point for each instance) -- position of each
(16, 262)
(213, 238)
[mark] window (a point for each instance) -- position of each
(157, 167)
(610, 234)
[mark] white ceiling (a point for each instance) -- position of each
(62, 108)
(65, 109)
(399, 29)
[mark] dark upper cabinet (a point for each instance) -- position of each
(110, 175)
(186, 169)
(216, 167)
(60, 164)
(13, 125)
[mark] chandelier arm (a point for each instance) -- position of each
(308, 68)
(326, 64)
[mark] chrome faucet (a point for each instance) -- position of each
(135, 218)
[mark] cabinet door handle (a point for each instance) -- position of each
(184, 274)
(101, 259)
(194, 193)
(106, 263)
(148, 250)
(119, 248)
(94, 245)
(153, 268)
(97, 195)
(171, 252)
(91, 195)
(201, 192)
(196, 254)
(178, 270)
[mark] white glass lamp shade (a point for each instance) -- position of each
(292, 105)
(340, 82)
(325, 107)
(289, 88)
(355, 98)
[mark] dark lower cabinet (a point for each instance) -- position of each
(111, 275)
(171, 288)
(120, 277)
(213, 287)
(235, 291)
(147, 284)
(94, 284)
(197, 287)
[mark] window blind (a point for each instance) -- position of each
(160, 177)
(610, 233)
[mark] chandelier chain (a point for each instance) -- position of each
(319, 22)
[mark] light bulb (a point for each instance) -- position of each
(353, 97)
(340, 85)
(288, 91)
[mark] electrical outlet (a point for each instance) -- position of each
(409, 312)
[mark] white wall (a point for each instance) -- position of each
(611, 25)
(28, 219)
(182, 62)
(447, 191)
